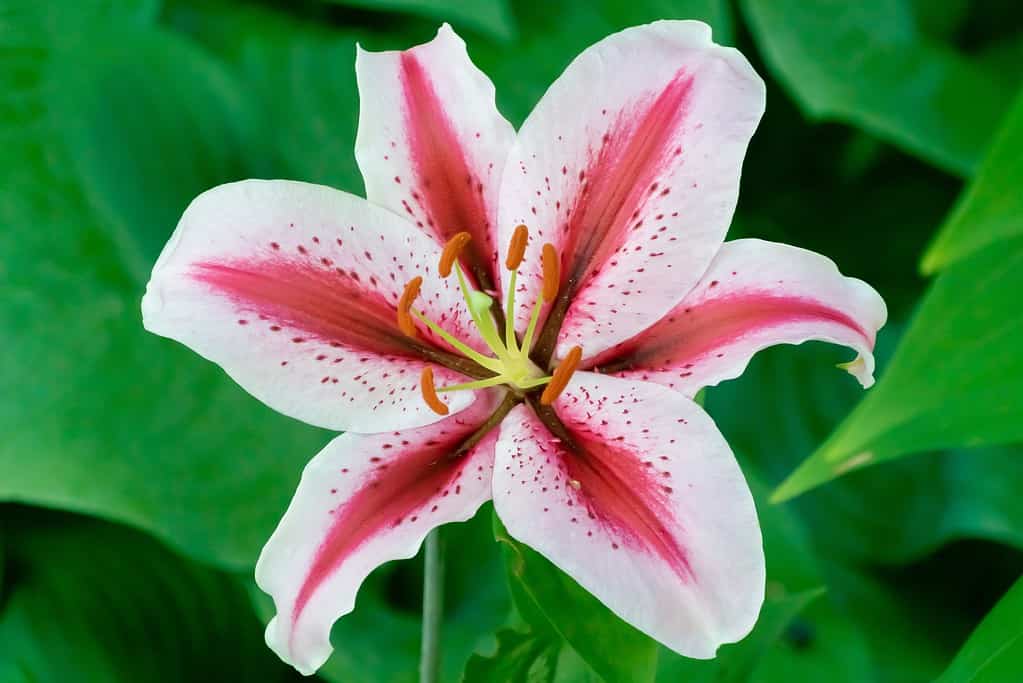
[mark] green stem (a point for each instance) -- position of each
(433, 609)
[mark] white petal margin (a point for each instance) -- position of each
(754, 295)
(688, 569)
(630, 165)
(363, 501)
(431, 143)
(290, 287)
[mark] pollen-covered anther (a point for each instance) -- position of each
(429, 392)
(551, 272)
(451, 252)
(517, 247)
(408, 297)
(561, 376)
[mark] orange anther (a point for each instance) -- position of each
(430, 392)
(551, 272)
(517, 247)
(451, 251)
(562, 375)
(405, 322)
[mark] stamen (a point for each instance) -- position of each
(517, 248)
(478, 384)
(430, 393)
(551, 272)
(451, 251)
(405, 322)
(562, 375)
(492, 364)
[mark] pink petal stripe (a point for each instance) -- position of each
(629, 166)
(615, 185)
(449, 191)
(755, 294)
(292, 289)
(431, 144)
(363, 501)
(637, 497)
(620, 489)
(325, 303)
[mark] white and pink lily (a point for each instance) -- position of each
(557, 380)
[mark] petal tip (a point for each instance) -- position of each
(281, 640)
(862, 368)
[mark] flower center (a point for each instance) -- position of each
(509, 356)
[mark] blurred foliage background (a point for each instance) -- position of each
(137, 482)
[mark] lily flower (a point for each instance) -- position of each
(550, 367)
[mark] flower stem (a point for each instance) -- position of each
(433, 609)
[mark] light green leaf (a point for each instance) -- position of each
(955, 381)
(550, 599)
(90, 601)
(785, 405)
(994, 651)
(991, 209)
(102, 417)
(867, 64)
(519, 658)
(493, 17)
(301, 78)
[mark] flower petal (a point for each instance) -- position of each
(431, 143)
(754, 295)
(630, 166)
(365, 500)
(291, 288)
(640, 500)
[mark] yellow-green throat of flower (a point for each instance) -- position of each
(509, 360)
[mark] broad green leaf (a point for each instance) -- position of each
(91, 601)
(790, 399)
(519, 658)
(493, 17)
(300, 77)
(777, 412)
(867, 64)
(55, 18)
(611, 647)
(994, 651)
(104, 418)
(955, 381)
(990, 211)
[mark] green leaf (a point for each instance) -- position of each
(550, 599)
(955, 381)
(308, 112)
(107, 419)
(865, 63)
(990, 211)
(493, 17)
(519, 658)
(994, 651)
(778, 411)
(789, 400)
(90, 601)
